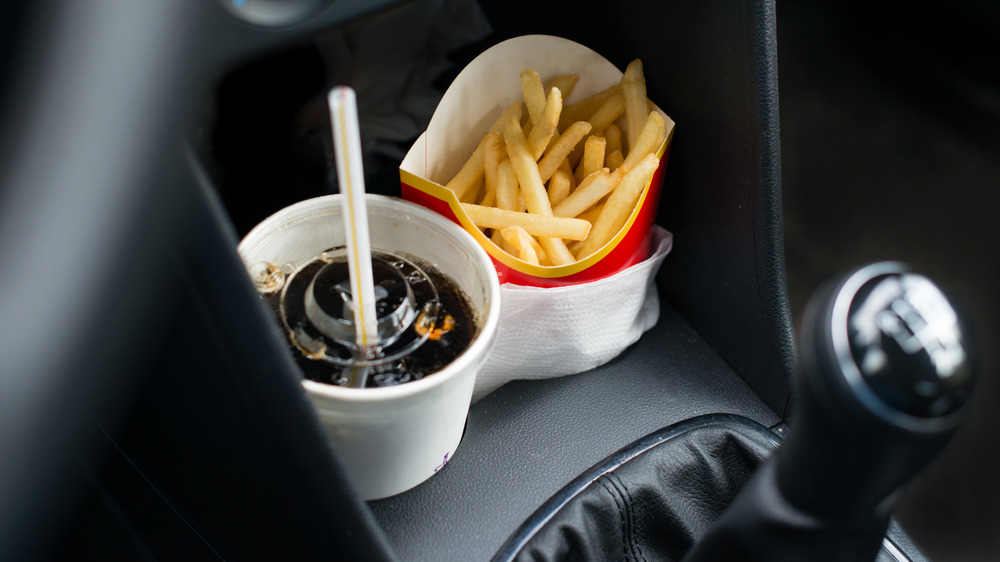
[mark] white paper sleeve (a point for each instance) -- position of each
(554, 332)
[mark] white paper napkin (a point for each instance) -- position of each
(553, 332)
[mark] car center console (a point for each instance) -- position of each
(200, 443)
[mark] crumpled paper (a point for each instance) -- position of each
(554, 332)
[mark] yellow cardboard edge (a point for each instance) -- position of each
(442, 193)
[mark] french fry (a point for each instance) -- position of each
(654, 132)
(561, 148)
(620, 205)
(593, 157)
(494, 152)
(489, 198)
(472, 193)
(506, 187)
(501, 243)
(513, 110)
(520, 188)
(590, 215)
(559, 187)
(534, 94)
(471, 172)
(636, 103)
(473, 169)
(614, 160)
(539, 251)
(589, 192)
(526, 170)
(613, 136)
(565, 167)
(565, 83)
(557, 251)
(584, 108)
(535, 199)
(536, 225)
(606, 114)
(545, 127)
(519, 238)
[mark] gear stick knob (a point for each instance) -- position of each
(885, 372)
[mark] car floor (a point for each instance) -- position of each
(891, 151)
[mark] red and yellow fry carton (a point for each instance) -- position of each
(480, 100)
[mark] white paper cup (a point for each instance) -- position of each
(391, 438)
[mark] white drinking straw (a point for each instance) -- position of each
(350, 175)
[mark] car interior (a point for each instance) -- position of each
(823, 155)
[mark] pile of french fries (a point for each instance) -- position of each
(556, 185)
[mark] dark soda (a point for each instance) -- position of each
(425, 321)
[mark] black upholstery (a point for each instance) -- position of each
(660, 496)
(649, 501)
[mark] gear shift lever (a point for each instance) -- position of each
(885, 373)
